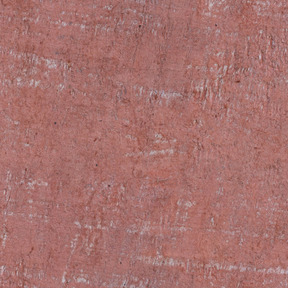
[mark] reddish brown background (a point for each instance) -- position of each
(143, 143)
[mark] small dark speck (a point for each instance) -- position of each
(55, 123)
(216, 25)
(237, 81)
(96, 165)
(109, 185)
(139, 26)
(120, 262)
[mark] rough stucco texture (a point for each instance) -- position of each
(143, 143)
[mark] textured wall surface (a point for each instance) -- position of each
(143, 143)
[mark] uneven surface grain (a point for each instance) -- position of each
(143, 143)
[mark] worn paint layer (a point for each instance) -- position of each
(143, 143)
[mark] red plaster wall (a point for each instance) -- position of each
(143, 143)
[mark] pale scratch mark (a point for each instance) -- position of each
(174, 262)
(7, 195)
(73, 244)
(2, 269)
(31, 184)
(151, 153)
(4, 236)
